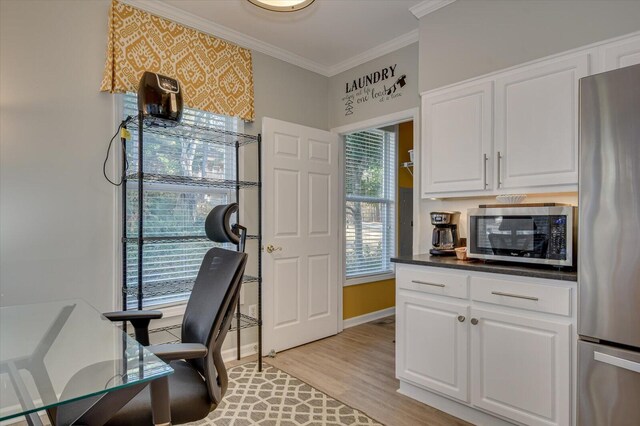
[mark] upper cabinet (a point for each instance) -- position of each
(514, 130)
(620, 54)
(458, 139)
(536, 124)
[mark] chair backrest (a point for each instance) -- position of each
(208, 314)
(213, 300)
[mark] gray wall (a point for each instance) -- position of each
(56, 211)
(469, 38)
(287, 92)
(58, 219)
(407, 60)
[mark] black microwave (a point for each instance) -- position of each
(543, 235)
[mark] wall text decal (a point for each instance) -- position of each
(380, 86)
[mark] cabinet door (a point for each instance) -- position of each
(432, 344)
(537, 124)
(457, 127)
(521, 367)
(620, 54)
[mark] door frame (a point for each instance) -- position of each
(412, 114)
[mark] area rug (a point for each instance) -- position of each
(275, 398)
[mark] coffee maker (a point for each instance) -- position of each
(445, 233)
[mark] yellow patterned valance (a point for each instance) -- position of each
(215, 75)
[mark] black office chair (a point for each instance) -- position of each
(200, 378)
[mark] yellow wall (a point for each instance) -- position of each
(370, 297)
(405, 143)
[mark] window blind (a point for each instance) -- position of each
(170, 266)
(369, 202)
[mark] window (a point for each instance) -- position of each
(369, 202)
(174, 210)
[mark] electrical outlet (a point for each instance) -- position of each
(253, 311)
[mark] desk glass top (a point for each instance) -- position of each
(57, 352)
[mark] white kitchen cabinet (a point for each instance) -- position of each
(514, 130)
(506, 348)
(457, 125)
(536, 124)
(520, 367)
(432, 344)
(622, 53)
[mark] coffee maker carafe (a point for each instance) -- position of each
(445, 233)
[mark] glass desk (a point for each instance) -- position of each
(58, 352)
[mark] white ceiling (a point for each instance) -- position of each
(328, 37)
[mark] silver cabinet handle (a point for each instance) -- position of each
(461, 318)
(617, 362)
(499, 172)
(474, 321)
(426, 283)
(517, 296)
(485, 170)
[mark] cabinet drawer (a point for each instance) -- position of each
(531, 296)
(431, 280)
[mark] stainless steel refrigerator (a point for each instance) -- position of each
(609, 249)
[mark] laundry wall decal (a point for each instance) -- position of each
(372, 78)
(381, 85)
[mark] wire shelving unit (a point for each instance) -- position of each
(194, 134)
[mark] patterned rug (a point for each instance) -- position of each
(274, 398)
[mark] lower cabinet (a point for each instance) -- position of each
(433, 344)
(520, 367)
(513, 363)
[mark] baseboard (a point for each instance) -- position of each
(22, 422)
(450, 406)
(245, 350)
(371, 316)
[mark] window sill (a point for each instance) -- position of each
(369, 279)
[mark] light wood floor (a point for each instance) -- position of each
(357, 367)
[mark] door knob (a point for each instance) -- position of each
(461, 318)
(271, 248)
(474, 321)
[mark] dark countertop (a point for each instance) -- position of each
(538, 271)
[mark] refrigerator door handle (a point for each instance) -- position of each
(617, 362)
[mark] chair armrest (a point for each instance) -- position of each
(132, 315)
(139, 319)
(174, 351)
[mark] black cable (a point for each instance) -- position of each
(104, 165)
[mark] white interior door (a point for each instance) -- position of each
(300, 234)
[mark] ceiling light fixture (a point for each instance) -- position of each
(282, 5)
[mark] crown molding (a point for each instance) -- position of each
(376, 52)
(196, 22)
(428, 6)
